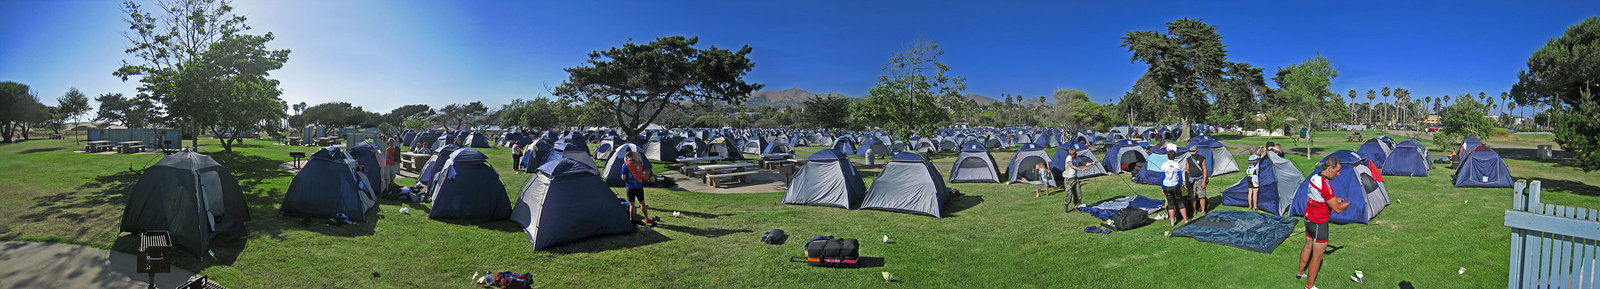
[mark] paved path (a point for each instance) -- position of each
(764, 181)
(51, 265)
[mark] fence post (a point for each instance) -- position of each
(1517, 204)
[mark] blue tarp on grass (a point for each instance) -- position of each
(1254, 231)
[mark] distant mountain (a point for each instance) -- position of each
(792, 97)
(981, 100)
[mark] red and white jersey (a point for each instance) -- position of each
(1317, 210)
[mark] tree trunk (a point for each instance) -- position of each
(5, 131)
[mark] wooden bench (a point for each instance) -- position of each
(719, 179)
(775, 164)
(56, 136)
(133, 149)
(718, 168)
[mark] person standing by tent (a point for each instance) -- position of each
(1070, 179)
(1172, 187)
(634, 173)
(1254, 179)
(516, 157)
(1197, 180)
(1044, 178)
(391, 163)
(1320, 203)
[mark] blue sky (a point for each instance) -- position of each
(384, 54)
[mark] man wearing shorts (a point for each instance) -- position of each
(1320, 203)
(1197, 179)
(1172, 187)
(633, 175)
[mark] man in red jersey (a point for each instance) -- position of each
(1320, 203)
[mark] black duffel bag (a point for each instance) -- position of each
(830, 251)
(1129, 219)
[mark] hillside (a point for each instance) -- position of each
(792, 97)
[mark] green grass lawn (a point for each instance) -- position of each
(996, 236)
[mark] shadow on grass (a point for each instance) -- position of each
(37, 150)
(608, 243)
(1406, 285)
(701, 232)
(103, 195)
(1557, 158)
(961, 203)
(503, 225)
(689, 213)
(1575, 188)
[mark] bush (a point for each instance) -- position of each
(1499, 132)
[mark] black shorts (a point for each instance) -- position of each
(1317, 232)
(1175, 198)
(636, 196)
(1252, 182)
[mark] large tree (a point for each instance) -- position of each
(826, 112)
(19, 107)
(914, 95)
(336, 114)
(125, 111)
(1304, 86)
(635, 82)
(196, 63)
(1566, 73)
(1185, 64)
(463, 115)
(538, 113)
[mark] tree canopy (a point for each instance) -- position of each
(1566, 72)
(826, 112)
(19, 107)
(1185, 64)
(636, 82)
(200, 69)
(72, 105)
(916, 93)
(1304, 89)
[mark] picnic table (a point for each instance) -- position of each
(294, 140)
(717, 174)
(131, 146)
(776, 156)
(96, 146)
(413, 162)
(773, 164)
(699, 160)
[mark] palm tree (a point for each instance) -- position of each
(1425, 101)
(1386, 113)
(1371, 95)
(1353, 101)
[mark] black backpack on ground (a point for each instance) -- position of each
(830, 251)
(774, 237)
(1129, 219)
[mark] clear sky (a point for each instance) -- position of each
(384, 54)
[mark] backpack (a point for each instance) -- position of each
(830, 251)
(774, 237)
(1129, 219)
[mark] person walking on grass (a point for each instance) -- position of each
(1172, 187)
(1197, 179)
(516, 157)
(1070, 181)
(634, 174)
(1044, 172)
(1320, 203)
(391, 163)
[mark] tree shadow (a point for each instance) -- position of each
(608, 243)
(1331, 249)
(37, 150)
(1557, 158)
(961, 203)
(326, 226)
(691, 214)
(1406, 285)
(701, 232)
(102, 196)
(1575, 188)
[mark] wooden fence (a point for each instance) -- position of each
(1551, 246)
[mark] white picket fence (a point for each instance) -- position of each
(1551, 246)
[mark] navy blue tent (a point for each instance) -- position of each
(844, 145)
(827, 179)
(1058, 162)
(1409, 158)
(1374, 150)
(477, 140)
(329, 184)
(566, 202)
(1277, 178)
(1467, 145)
(370, 158)
(434, 162)
(468, 188)
(1356, 184)
(1482, 167)
(534, 155)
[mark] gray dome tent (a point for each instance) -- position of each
(908, 184)
(565, 202)
(1021, 166)
(974, 164)
(827, 179)
(190, 196)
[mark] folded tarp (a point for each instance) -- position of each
(1254, 231)
(1105, 209)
